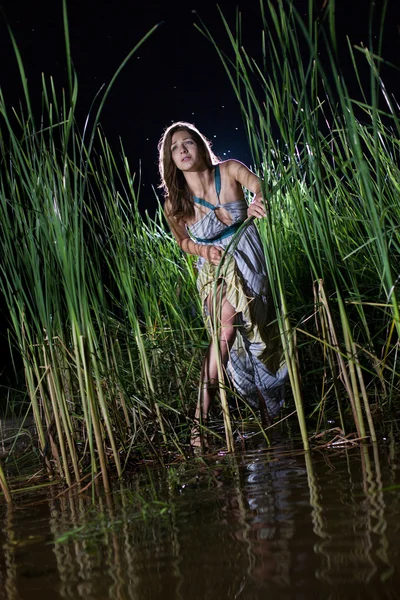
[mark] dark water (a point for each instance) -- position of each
(264, 524)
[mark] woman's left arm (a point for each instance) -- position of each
(239, 172)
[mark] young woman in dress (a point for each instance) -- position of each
(205, 207)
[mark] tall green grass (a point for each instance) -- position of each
(101, 302)
(330, 164)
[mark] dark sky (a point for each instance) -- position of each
(176, 75)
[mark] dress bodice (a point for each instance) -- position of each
(210, 228)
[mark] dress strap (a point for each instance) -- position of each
(217, 181)
(217, 189)
(228, 231)
(204, 203)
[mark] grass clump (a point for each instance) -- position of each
(91, 288)
(330, 163)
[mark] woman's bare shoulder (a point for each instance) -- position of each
(230, 164)
(234, 169)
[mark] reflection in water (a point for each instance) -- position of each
(350, 516)
(345, 546)
(273, 523)
(269, 486)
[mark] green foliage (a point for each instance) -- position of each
(102, 303)
(330, 165)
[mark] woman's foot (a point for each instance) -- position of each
(266, 420)
(198, 438)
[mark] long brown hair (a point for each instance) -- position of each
(173, 182)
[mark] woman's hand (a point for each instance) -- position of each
(257, 207)
(213, 254)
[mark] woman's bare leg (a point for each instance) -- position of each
(209, 380)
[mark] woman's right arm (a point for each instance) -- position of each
(212, 254)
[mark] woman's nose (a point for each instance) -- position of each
(183, 149)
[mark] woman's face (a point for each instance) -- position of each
(185, 152)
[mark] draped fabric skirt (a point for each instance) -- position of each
(254, 364)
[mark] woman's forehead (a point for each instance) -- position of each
(181, 135)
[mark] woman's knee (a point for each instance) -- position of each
(228, 333)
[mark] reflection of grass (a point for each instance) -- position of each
(390, 488)
(99, 524)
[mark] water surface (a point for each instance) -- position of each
(273, 524)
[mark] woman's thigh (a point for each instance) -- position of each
(221, 310)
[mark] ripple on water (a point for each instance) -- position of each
(285, 524)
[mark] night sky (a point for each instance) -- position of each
(176, 75)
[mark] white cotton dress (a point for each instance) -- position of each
(254, 365)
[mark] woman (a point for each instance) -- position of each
(205, 208)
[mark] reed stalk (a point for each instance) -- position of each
(4, 485)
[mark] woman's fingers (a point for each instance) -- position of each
(214, 254)
(256, 208)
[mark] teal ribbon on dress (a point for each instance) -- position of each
(230, 229)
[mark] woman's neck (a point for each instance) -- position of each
(199, 182)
